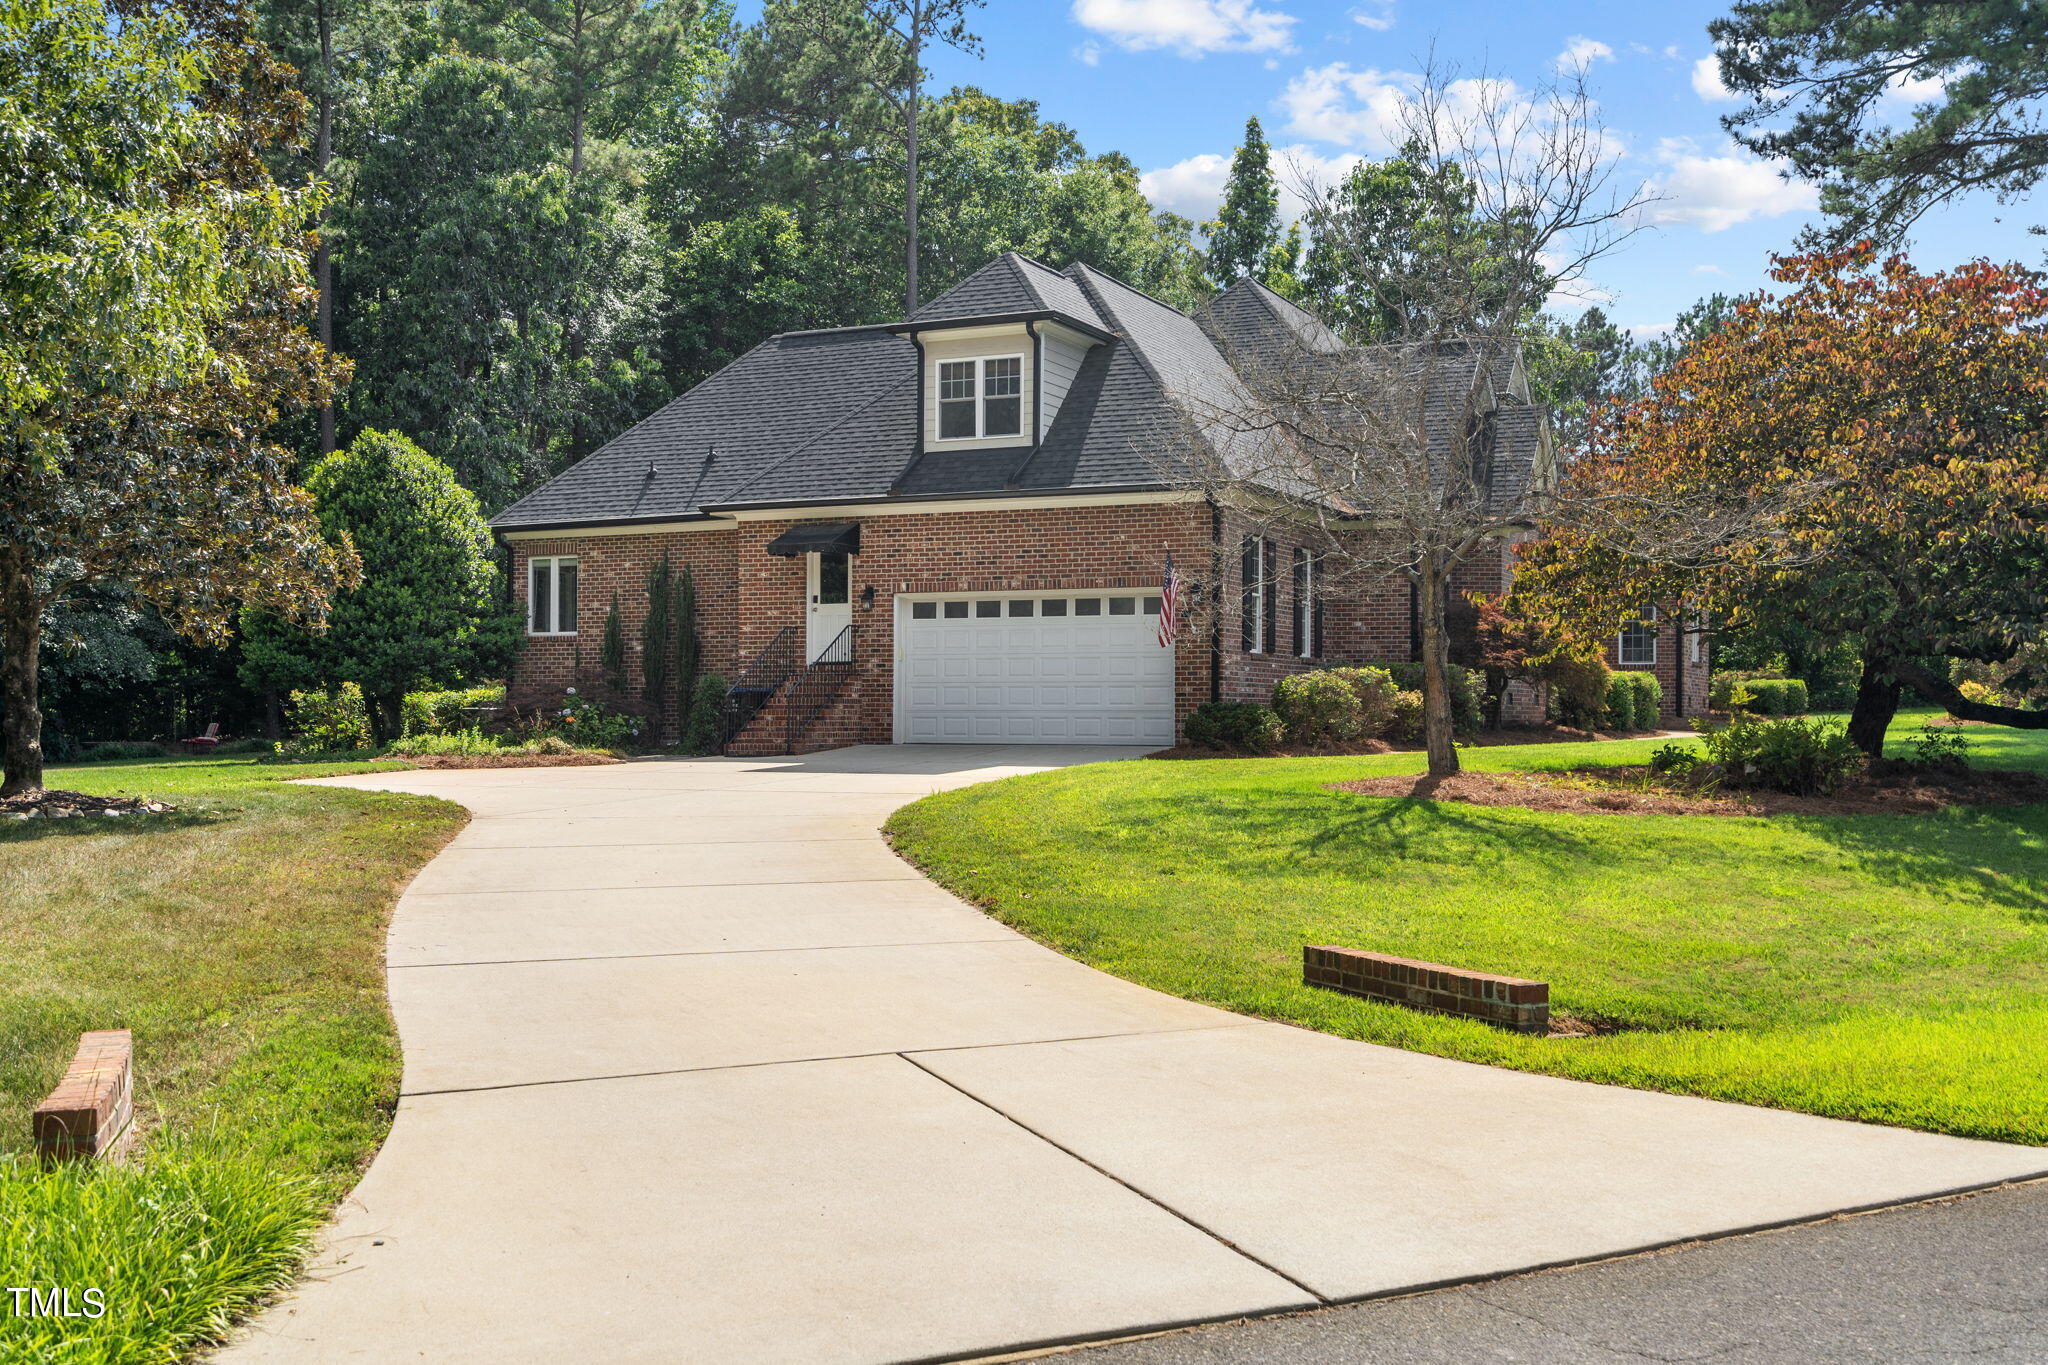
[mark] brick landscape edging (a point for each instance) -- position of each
(1509, 1001)
(90, 1112)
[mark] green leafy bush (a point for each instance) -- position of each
(1792, 754)
(707, 708)
(237, 748)
(1375, 689)
(588, 723)
(1633, 700)
(1941, 744)
(1578, 690)
(1757, 694)
(327, 722)
(465, 742)
(444, 712)
(1246, 726)
(109, 750)
(1777, 697)
(1405, 716)
(1467, 692)
(1675, 759)
(1318, 708)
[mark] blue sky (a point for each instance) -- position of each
(1170, 83)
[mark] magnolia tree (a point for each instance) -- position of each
(1383, 453)
(1892, 420)
(152, 297)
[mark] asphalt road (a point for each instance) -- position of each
(1965, 1279)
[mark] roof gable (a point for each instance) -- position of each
(1011, 284)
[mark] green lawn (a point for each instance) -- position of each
(241, 938)
(1885, 968)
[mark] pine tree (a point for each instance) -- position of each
(1248, 225)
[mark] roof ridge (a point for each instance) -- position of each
(1124, 284)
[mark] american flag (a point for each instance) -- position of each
(1169, 604)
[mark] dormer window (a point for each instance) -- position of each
(981, 398)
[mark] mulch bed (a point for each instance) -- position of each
(1630, 791)
(52, 803)
(584, 760)
(1486, 739)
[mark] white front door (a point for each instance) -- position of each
(830, 608)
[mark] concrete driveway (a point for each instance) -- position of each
(697, 1070)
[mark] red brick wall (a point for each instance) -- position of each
(1671, 640)
(608, 564)
(746, 595)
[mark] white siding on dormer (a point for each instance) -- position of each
(966, 344)
(1062, 362)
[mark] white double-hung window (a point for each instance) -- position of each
(1638, 644)
(551, 596)
(981, 398)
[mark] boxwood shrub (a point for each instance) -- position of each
(1240, 725)
(1467, 688)
(1318, 708)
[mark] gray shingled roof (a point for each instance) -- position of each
(830, 416)
(1011, 284)
(1251, 319)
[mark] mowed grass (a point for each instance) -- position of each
(241, 938)
(1882, 968)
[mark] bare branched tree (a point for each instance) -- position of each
(1405, 453)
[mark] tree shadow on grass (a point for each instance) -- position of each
(78, 826)
(1324, 824)
(1997, 853)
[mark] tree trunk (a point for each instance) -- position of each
(1942, 692)
(1433, 600)
(1877, 701)
(21, 720)
(386, 713)
(323, 259)
(910, 171)
(273, 715)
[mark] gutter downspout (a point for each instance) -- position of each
(1216, 599)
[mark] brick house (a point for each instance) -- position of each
(950, 529)
(1674, 647)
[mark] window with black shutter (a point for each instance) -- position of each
(1248, 595)
(1270, 617)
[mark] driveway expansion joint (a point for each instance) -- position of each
(1142, 1193)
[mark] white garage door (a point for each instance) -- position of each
(1060, 668)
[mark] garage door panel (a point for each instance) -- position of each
(978, 673)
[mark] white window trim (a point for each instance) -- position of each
(981, 396)
(1648, 618)
(552, 566)
(1305, 609)
(1261, 571)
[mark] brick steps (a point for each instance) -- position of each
(835, 727)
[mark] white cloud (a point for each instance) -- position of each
(1377, 15)
(1908, 91)
(1194, 188)
(1708, 270)
(1351, 108)
(1090, 53)
(1189, 28)
(1581, 52)
(1649, 331)
(1707, 82)
(1716, 192)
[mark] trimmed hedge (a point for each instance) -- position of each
(1633, 701)
(1241, 725)
(1318, 708)
(1758, 696)
(1467, 690)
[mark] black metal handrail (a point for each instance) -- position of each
(759, 681)
(817, 687)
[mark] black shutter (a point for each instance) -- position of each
(1317, 644)
(1270, 561)
(1300, 616)
(1248, 596)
